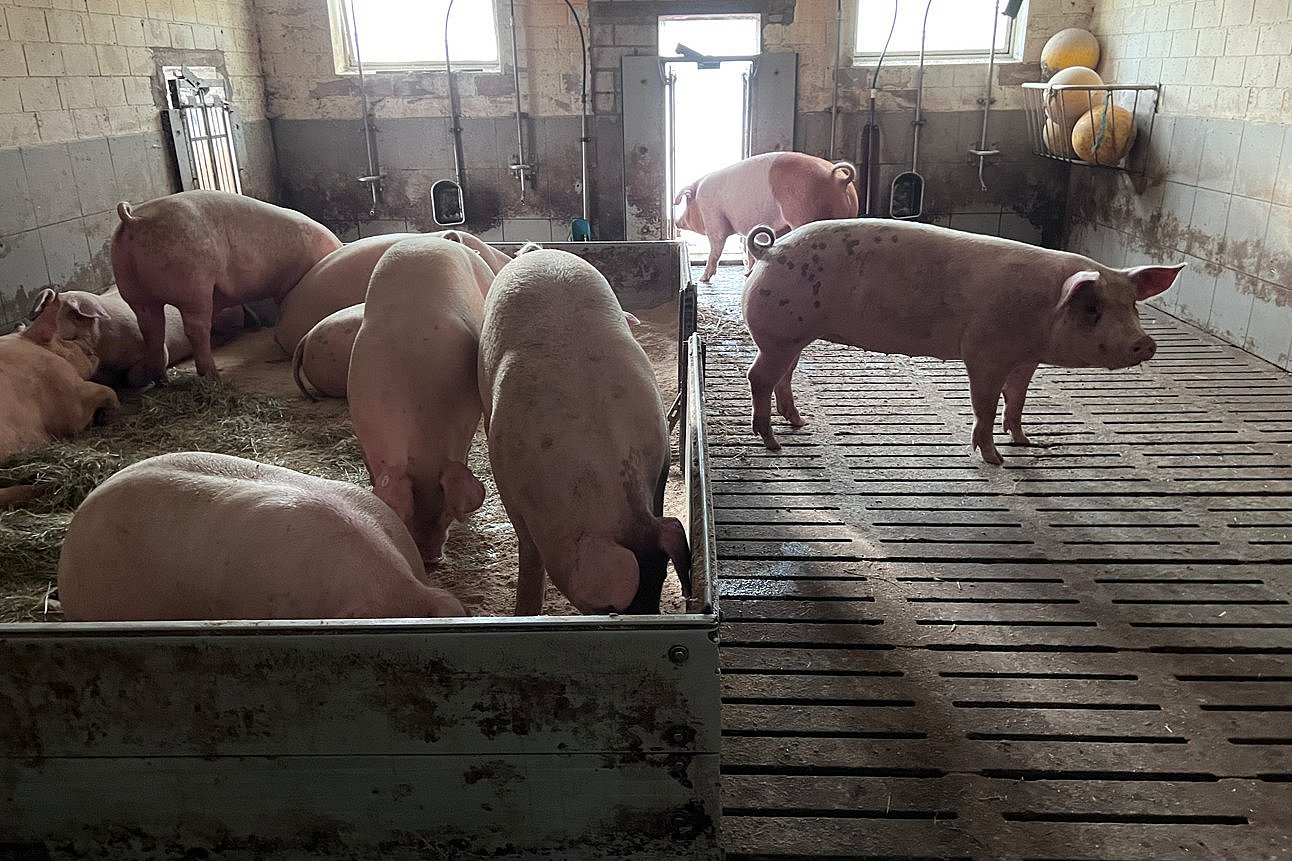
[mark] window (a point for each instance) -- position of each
(956, 28)
(409, 34)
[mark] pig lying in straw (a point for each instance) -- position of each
(576, 439)
(780, 189)
(206, 250)
(1004, 307)
(120, 346)
(322, 358)
(341, 280)
(412, 387)
(45, 393)
(195, 535)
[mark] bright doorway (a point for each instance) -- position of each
(707, 65)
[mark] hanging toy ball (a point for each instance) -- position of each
(1057, 140)
(1067, 48)
(1065, 107)
(1104, 135)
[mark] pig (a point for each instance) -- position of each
(323, 356)
(781, 189)
(577, 439)
(206, 250)
(1004, 307)
(414, 402)
(341, 280)
(120, 345)
(197, 535)
(45, 393)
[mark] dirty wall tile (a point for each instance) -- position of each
(49, 176)
(1220, 154)
(18, 212)
(1258, 159)
(1231, 306)
(67, 254)
(1269, 333)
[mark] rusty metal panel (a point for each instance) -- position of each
(371, 734)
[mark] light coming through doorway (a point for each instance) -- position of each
(707, 117)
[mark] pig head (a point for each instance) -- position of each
(1004, 307)
(576, 439)
(781, 189)
(196, 535)
(206, 250)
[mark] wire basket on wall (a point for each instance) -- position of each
(1104, 125)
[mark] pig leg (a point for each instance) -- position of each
(785, 397)
(529, 581)
(985, 385)
(197, 327)
(152, 326)
(1015, 392)
(769, 367)
(718, 232)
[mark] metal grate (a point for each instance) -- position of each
(1083, 654)
(204, 129)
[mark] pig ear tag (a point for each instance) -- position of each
(1074, 283)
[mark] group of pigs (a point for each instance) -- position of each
(434, 331)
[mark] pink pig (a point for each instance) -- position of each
(206, 250)
(196, 535)
(577, 439)
(412, 383)
(341, 280)
(1004, 307)
(781, 189)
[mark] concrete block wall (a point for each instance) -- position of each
(1218, 192)
(80, 125)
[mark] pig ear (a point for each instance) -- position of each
(528, 247)
(1076, 281)
(631, 319)
(1152, 280)
(43, 298)
(673, 541)
(451, 236)
(463, 492)
(85, 305)
(605, 575)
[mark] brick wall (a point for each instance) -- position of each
(1218, 192)
(80, 125)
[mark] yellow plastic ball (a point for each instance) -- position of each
(1104, 135)
(1068, 48)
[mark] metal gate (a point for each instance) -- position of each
(205, 129)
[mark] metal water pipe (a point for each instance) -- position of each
(518, 167)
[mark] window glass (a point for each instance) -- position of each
(955, 27)
(402, 34)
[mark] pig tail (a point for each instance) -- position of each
(759, 240)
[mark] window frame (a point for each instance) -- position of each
(1010, 50)
(343, 54)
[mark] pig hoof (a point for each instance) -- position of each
(992, 456)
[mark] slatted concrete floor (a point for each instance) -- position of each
(1083, 654)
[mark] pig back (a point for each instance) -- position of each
(246, 248)
(196, 535)
(337, 281)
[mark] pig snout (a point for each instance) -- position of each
(1143, 349)
(1137, 351)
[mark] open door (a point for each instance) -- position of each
(773, 97)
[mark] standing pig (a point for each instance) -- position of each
(412, 387)
(323, 356)
(341, 280)
(44, 371)
(206, 250)
(119, 344)
(1004, 307)
(577, 439)
(781, 189)
(196, 535)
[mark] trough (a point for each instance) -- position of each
(555, 736)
